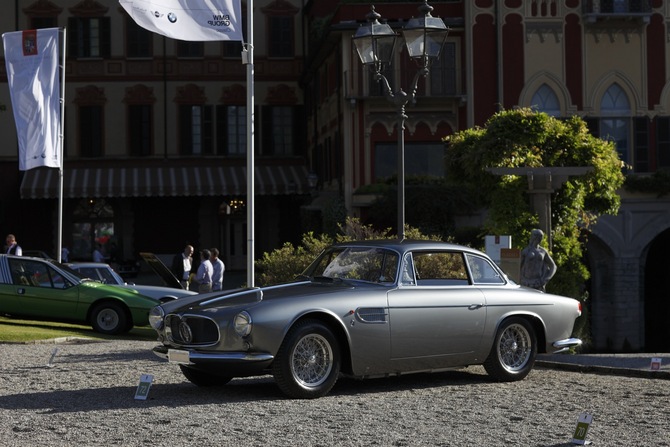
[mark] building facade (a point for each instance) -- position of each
(155, 132)
(155, 137)
(605, 61)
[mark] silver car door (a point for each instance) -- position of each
(440, 314)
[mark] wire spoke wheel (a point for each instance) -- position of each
(515, 347)
(311, 360)
(514, 350)
(308, 362)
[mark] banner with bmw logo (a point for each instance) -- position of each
(193, 20)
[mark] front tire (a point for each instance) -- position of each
(110, 318)
(514, 350)
(201, 378)
(308, 362)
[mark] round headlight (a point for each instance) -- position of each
(156, 317)
(242, 323)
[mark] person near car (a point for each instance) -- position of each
(13, 248)
(182, 264)
(64, 255)
(97, 254)
(218, 269)
(204, 273)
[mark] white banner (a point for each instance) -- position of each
(194, 20)
(31, 58)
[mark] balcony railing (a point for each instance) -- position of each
(598, 10)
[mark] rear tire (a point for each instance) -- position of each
(308, 362)
(514, 350)
(201, 378)
(110, 318)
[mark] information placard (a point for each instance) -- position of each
(143, 388)
(583, 424)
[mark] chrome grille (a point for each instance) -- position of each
(200, 330)
(372, 314)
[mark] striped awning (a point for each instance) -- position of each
(161, 181)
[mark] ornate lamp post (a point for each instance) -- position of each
(375, 43)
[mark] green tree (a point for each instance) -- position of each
(526, 138)
(287, 262)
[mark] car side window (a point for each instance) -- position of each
(29, 273)
(57, 280)
(482, 271)
(36, 274)
(20, 275)
(444, 268)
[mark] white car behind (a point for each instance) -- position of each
(104, 273)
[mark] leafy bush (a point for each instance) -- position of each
(286, 263)
(526, 138)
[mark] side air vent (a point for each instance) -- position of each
(372, 314)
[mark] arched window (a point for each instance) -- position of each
(545, 100)
(615, 120)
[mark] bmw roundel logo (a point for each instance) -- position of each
(172, 17)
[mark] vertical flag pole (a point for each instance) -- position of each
(250, 143)
(59, 244)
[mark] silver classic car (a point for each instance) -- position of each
(367, 309)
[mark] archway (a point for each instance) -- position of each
(656, 300)
(599, 308)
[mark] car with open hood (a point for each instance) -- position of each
(103, 272)
(368, 309)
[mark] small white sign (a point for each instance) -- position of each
(656, 364)
(50, 363)
(143, 388)
(583, 424)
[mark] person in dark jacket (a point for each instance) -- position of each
(12, 247)
(182, 265)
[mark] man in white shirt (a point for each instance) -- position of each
(219, 269)
(205, 271)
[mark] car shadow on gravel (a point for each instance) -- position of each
(470, 376)
(64, 356)
(123, 397)
(251, 389)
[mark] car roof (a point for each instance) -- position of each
(89, 264)
(406, 245)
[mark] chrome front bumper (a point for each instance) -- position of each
(564, 345)
(194, 357)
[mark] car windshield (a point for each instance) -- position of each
(67, 269)
(358, 263)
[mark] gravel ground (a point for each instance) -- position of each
(86, 398)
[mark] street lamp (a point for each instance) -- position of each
(375, 43)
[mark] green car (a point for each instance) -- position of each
(46, 290)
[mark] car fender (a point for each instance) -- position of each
(328, 317)
(533, 318)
